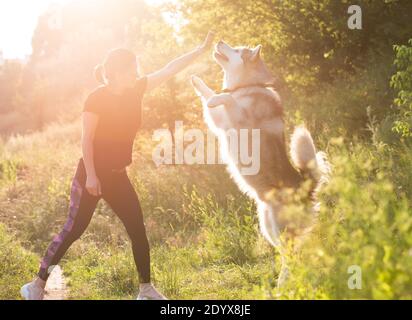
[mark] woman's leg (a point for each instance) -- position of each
(122, 198)
(82, 206)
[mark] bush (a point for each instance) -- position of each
(402, 82)
(362, 223)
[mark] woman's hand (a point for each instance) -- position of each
(93, 186)
(155, 79)
(207, 43)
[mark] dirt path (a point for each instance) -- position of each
(56, 285)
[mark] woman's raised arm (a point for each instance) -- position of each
(156, 78)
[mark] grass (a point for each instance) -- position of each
(17, 265)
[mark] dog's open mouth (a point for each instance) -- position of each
(220, 55)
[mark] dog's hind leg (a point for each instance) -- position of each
(267, 223)
(271, 232)
(284, 270)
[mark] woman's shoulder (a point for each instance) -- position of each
(97, 94)
(98, 91)
(95, 99)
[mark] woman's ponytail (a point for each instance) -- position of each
(117, 60)
(99, 74)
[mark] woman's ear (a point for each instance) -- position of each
(256, 53)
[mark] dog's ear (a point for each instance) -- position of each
(256, 53)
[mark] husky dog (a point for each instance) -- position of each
(248, 101)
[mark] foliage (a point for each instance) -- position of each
(402, 82)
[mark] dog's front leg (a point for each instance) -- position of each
(202, 90)
(218, 108)
(225, 105)
(215, 116)
(221, 99)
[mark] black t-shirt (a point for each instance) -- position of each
(119, 120)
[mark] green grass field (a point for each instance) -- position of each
(203, 232)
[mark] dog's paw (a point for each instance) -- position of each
(196, 82)
(211, 102)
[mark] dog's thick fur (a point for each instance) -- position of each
(248, 103)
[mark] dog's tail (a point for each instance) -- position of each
(304, 156)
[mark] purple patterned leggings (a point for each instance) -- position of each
(119, 193)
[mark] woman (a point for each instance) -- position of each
(111, 117)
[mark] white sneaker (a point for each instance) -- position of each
(32, 291)
(149, 292)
